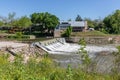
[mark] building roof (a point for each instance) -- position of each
(73, 23)
(77, 23)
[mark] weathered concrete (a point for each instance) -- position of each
(96, 40)
(20, 48)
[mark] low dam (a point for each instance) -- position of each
(66, 53)
(60, 46)
(56, 46)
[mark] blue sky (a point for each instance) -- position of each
(64, 9)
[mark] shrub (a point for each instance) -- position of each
(44, 70)
(19, 35)
(67, 33)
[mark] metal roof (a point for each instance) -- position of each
(77, 23)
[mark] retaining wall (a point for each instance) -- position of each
(96, 40)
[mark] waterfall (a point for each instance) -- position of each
(57, 45)
(60, 46)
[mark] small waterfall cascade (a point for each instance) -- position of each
(62, 53)
(60, 46)
(57, 45)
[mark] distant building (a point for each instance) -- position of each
(77, 26)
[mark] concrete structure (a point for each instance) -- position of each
(77, 26)
(60, 46)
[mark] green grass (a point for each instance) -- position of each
(44, 70)
(86, 34)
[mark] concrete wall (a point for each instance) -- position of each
(57, 33)
(96, 40)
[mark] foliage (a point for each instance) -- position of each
(23, 22)
(11, 18)
(84, 55)
(44, 21)
(97, 24)
(8, 20)
(116, 61)
(11, 23)
(112, 23)
(68, 32)
(1, 23)
(90, 23)
(19, 35)
(78, 18)
(44, 70)
(88, 34)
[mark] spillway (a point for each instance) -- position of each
(60, 46)
(57, 46)
(65, 53)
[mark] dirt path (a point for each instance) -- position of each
(11, 44)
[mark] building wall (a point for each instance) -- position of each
(63, 26)
(77, 29)
(57, 33)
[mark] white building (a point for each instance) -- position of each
(77, 26)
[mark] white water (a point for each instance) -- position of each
(63, 53)
(59, 46)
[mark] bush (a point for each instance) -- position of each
(67, 33)
(44, 70)
(19, 35)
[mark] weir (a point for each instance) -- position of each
(60, 46)
(57, 46)
(63, 53)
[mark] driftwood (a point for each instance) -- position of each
(11, 52)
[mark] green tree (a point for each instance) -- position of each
(98, 23)
(11, 18)
(90, 23)
(84, 54)
(1, 23)
(78, 18)
(44, 21)
(68, 32)
(20, 24)
(24, 22)
(112, 23)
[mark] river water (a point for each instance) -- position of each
(65, 54)
(74, 59)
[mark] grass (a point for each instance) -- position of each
(86, 34)
(44, 70)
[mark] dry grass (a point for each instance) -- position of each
(89, 33)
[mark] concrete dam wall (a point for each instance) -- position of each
(96, 40)
(56, 46)
(60, 46)
(66, 53)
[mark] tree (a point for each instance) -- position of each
(1, 23)
(69, 20)
(98, 23)
(68, 32)
(44, 21)
(20, 24)
(7, 21)
(24, 22)
(112, 23)
(90, 23)
(78, 18)
(11, 17)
